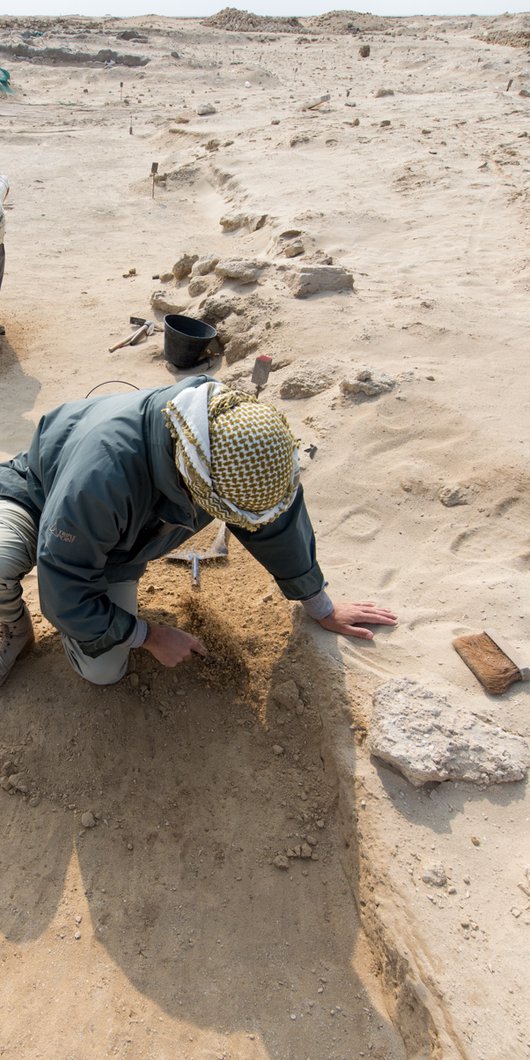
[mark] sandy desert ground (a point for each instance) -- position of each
(144, 909)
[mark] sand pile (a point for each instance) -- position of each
(236, 21)
(347, 22)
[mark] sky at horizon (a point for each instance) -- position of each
(301, 8)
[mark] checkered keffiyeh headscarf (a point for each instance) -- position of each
(236, 455)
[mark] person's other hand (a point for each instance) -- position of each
(171, 646)
(350, 619)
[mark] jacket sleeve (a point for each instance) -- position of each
(75, 535)
(287, 549)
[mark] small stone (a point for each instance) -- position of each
(367, 383)
(475, 840)
(451, 496)
(466, 880)
(320, 823)
(286, 695)
(205, 109)
(88, 820)
(277, 749)
(515, 912)
(294, 249)
(19, 783)
(434, 875)
(451, 890)
(78, 918)
(312, 840)
(134, 680)
(281, 862)
(34, 800)
(5, 783)
(384, 92)
(305, 851)
(77, 935)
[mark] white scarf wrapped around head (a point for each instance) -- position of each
(236, 455)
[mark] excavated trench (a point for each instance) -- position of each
(224, 859)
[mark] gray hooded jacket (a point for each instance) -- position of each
(100, 480)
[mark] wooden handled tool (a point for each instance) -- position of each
(130, 338)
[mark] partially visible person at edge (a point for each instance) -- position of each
(4, 191)
(112, 482)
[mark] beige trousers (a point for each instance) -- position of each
(18, 552)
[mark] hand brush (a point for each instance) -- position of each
(494, 663)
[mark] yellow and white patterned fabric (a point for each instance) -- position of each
(236, 455)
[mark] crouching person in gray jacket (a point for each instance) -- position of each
(112, 482)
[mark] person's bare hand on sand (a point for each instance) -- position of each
(171, 646)
(351, 619)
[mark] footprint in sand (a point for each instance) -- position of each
(491, 540)
(359, 524)
(388, 577)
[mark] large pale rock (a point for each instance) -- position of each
(239, 346)
(202, 266)
(164, 302)
(290, 243)
(199, 285)
(216, 308)
(428, 739)
(184, 265)
(310, 279)
(251, 221)
(240, 270)
(451, 496)
(306, 381)
(231, 326)
(367, 384)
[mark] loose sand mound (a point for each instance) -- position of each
(231, 18)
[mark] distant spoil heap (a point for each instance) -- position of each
(245, 22)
